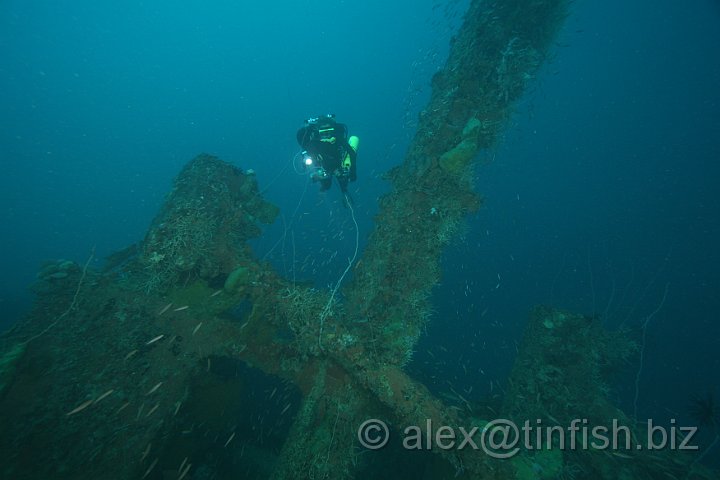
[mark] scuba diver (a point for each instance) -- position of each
(329, 151)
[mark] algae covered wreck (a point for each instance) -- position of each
(187, 357)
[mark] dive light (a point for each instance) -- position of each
(307, 159)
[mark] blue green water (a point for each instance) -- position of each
(601, 195)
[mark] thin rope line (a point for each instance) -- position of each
(72, 304)
(326, 310)
(642, 350)
(289, 226)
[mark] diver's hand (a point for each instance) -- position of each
(319, 174)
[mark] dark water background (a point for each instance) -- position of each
(602, 194)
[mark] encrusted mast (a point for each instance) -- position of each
(186, 357)
(495, 54)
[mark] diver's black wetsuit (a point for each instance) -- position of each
(317, 140)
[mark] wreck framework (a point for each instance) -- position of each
(141, 376)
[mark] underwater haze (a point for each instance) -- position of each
(601, 198)
(103, 104)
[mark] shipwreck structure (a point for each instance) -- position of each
(187, 357)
